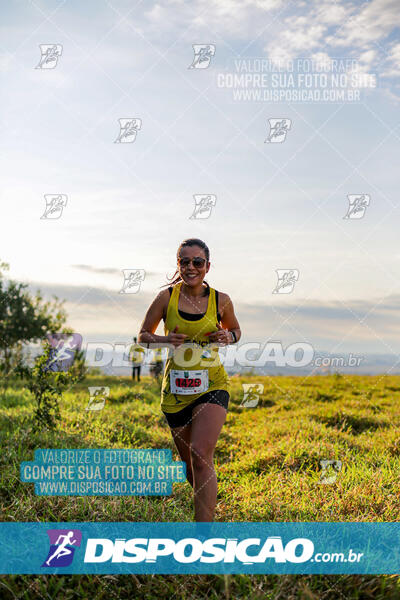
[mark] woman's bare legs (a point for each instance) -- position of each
(207, 422)
(181, 436)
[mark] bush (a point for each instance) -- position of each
(47, 387)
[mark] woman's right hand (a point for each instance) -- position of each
(176, 339)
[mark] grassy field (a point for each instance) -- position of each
(268, 467)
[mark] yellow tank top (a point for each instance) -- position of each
(193, 357)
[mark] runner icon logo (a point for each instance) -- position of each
(98, 394)
(202, 56)
(203, 205)
(128, 129)
(55, 203)
(278, 129)
(132, 280)
(251, 394)
(64, 347)
(286, 280)
(63, 543)
(357, 205)
(49, 55)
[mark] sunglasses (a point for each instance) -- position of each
(198, 262)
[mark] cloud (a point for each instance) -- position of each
(392, 62)
(368, 57)
(372, 23)
(75, 294)
(98, 313)
(332, 13)
(358, 31)
(90, 295)
(333, 311)
(6, 61)
(107, 270)
(236, 18)
(304, 32)
(352, 325)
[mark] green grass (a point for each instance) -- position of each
(268, 467)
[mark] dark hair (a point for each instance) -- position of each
(176, 278)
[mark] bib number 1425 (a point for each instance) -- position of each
(188, 382)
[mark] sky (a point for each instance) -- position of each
(278, 205)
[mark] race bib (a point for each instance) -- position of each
(188, 382)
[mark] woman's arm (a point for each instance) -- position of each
(229, 321)
(228, 317)
(150, 323)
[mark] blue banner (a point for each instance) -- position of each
(179, 548)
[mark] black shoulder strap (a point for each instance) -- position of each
(170, 292)
(216, 302)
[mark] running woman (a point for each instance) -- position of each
(195, 388)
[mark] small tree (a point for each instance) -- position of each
(24, 318)
(47, 387)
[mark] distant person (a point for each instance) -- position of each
(157, 366)
(136, 355)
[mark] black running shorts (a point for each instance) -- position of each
(184, 416)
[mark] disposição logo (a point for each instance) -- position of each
(63, 543)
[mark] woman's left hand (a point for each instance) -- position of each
(222, 336)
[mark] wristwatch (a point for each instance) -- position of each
(233, 336)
